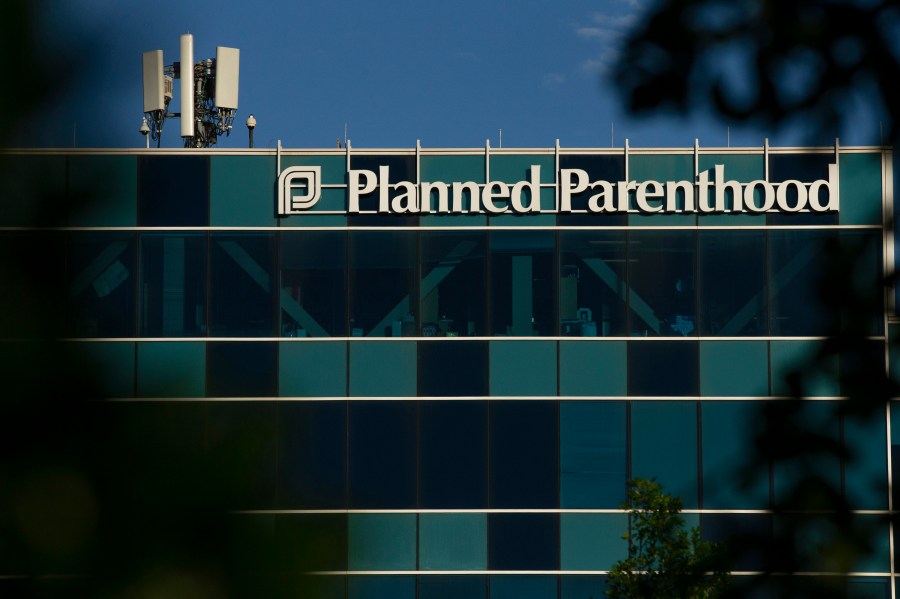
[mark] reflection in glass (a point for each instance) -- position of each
(452, 278)
(662, 276)
(732, 283)
(313, 283)
(101, 285)
(173, 285)
(523, 286)
(382, 284)
(797, 261)
(241, 285)
(592, 286)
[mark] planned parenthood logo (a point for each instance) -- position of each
(299, 188)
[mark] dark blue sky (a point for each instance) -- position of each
(449, 74)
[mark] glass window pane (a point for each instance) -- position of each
(662, 292)
(242, 271)
(312, 542)
(743, 536)
(380, 587)
(241, 369)
(805, 168)
(452, 542)
(452, 587)
(734, 368)
(313, 284)
(582, 587)
(453, 368)
(733, 283)
(592, 541)
(523, 368)
(173, 285)
(171, 369)
(101, 284)
(383, 369)
(103, 190)
(523, 542)
(382, 542)
(786, 357)
(797, 263)
(865, 473)
(382, 454)
(312, 369)
(664, 446)
(37, 261)
(743, 168)
(663, 368)
(400, 168)
(173, 191)
(592, 287)
(593, 368)
(523, 283)
(523, 587)
(383, 284)
(449, 169)
(312, 458)
(821, 421)
(860, 189)
(453, 454)
(728, 436)
(241, 192)
(524, 445)
(599, 167)
(27, 178)
(662, 167)
(592, 454)
(863, 290)
(452, 284)
(116, 361)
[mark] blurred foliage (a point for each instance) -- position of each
(832, 65)
(664, 559)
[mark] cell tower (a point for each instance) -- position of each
(209, 93)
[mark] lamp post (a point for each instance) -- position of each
(251, 124)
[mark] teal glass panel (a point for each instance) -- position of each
(728, 436)
(742, 168)
(894, 351)
(865, 474)
(381, 587)
(382, 542)
(821, 417)
(582, 587)
(330, 200)
(593, 368)
(664, 446)
(334, 166)
(116, 361)
(592, 448)
(786, 356)
(452, 541)
(523, 368)
(868, 588)
(860, 189)
(548, 202)
(734, 368)
(312, 369)
(450, 169)
(383, 369)
(512, 168)
(171, 369)
(103, 191)
(662, 168)
(32, 190)
(523, 587)
(592, 541)
(452, 586)
(242, 191)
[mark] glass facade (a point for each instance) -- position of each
(459, 400)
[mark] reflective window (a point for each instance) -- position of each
(241, 369)
(664, 446)
(592, 541)
(523, 283)
(523, 542)
(599, 167)
(523, 368)
(592, 285)
(743, 536)
(593, 450)
(453, 369)
(242, 284)
(37, 261)
(524, 446)
(663, 368)
(733, 283)
(524, 587)
(101, 284)
(173, 191)
(382, 542)
(662, 283)
(400, 168)
(452, 587)
(452, 274)
(382, 454)
(379, 587)
(453, 454)
(383, 284)
(173, 285)
(728, 431)
(313, 283)
(453, 542)
(805, 168)
(797, 262)
(312, 542)
(312, 456)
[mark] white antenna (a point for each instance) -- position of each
(187, 85)
(501, 138)
(728, 136)
(612, 135)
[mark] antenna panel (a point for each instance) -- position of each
(227, 70)
(187, 85)
(154, 84)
